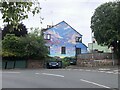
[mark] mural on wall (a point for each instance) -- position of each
(63, 35)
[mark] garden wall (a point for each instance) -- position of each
(33, 64)
(22, 64)
(95, 60)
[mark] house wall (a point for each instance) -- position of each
(56, 51)
(63, 35)
(70, 51)
(93, 46)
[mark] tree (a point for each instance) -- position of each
(30, 46)
(20, 31)
(35, 46)
(12, 47)
(14, 12)
(105, 23)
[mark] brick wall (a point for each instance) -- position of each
(34, 64)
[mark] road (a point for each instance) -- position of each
(60, 78)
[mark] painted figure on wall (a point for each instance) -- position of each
(64, 41)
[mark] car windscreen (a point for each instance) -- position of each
(53, 62)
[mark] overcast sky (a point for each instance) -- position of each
(77, 13)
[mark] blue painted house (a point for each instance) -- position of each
(64, 41)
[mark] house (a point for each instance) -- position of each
(94, 47)
(63, 41)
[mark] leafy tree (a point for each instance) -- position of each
(105, 23)
(20, 31)
(35, 44)
(12, 47)
(14, 12)
(30, 46)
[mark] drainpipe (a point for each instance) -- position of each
(75, 53)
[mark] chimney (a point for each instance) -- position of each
(49, 26)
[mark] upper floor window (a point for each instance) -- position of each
(63, 50)
(47, 36)
(78, 39)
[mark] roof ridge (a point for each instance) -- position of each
(67, 24)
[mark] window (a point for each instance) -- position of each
(47, 36)
(78, 39)
(78, 51)
(63, 50)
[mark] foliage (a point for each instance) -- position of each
(66, 62)
(14, 12)
(30, 46)
(105, 23)
(35, 31)
(12, 46)
(20, 31)
(35, 46)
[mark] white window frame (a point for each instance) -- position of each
(47, 36)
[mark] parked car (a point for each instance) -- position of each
(73, 62)
(52, 64)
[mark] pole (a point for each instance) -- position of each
(113, 56)
(75, 53)
(92, 45)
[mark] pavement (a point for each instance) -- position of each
(61, 78)
(93, 68)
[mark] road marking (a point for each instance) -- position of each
(53, 74)
(95, 83)
(109, 72)
(37, 73)
(101, 71)
(104, 69)
(11, 72)
(88, 70)
(116, 70)
(116, 73)
(80, 70)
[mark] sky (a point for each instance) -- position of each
(77, 13)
